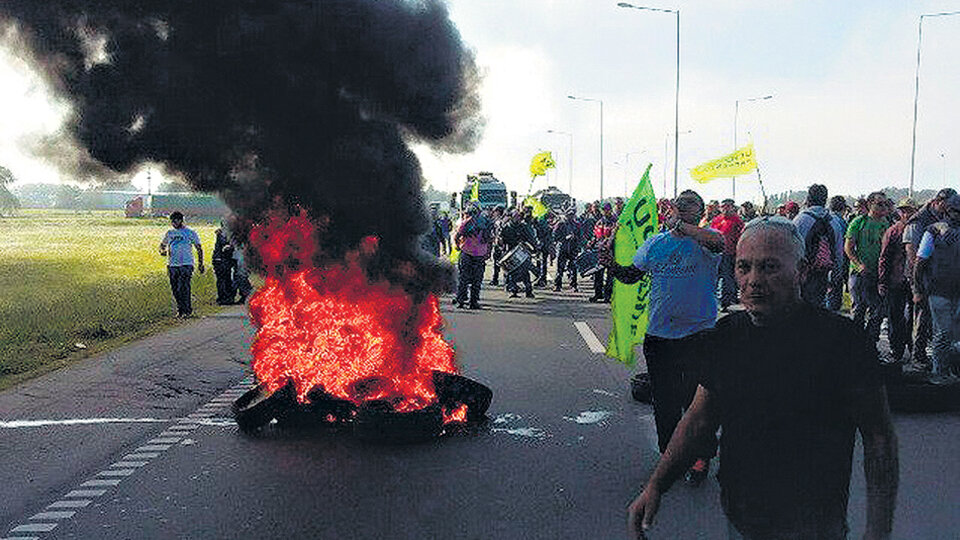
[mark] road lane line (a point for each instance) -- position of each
(590, 338)
(146, 455)
(116, 472)
(100, 483)
(82, 503)
(153, 448)
(86, 493)
(20, 538)
(34, 527)
(62, 514)
(127, 464)
(173, 440)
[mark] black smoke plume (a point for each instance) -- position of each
(296, 103)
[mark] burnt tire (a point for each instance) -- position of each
(455, 390)
(258, 407)
(640, 388)
(376, 421)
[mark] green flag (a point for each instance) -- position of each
(638, 221)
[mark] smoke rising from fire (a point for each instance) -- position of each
(289, 103)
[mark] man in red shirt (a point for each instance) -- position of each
(730, 225)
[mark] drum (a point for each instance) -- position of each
(514, 258)
(588, 262)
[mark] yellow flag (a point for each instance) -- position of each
(475, 194)
(539, 209)
(540, 163)
(630, 303)
(740, 162)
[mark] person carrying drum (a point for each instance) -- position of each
(518, 240)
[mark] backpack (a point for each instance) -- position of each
(820, 245)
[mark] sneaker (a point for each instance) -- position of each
(494, 283)
(698, 472)
(474, 305)
(556, 288)
(515, 294)
(530, 295)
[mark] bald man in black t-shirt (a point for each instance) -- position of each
(790, 384)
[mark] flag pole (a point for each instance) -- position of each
(763, 192)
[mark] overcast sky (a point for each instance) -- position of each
(841, 73)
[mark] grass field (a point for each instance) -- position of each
(76, 282)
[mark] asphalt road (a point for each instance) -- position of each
(158, 456)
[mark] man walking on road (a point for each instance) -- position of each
(473, 238)
(730, 225)
(176, 246)
(929, 214)
(863, 241)
(790, 384)
(893, 285)
(822, 233)
(682, 264)
(937, 280)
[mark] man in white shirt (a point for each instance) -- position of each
(176, 247)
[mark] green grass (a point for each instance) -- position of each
(90, 278)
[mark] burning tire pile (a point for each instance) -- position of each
(460, 402)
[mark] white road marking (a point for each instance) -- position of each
(100, 483)
(125, 464)
(590, 338)
(63, 514)
(173, 440)
(14, 424)
(116, 472)
(82, 503)
(153, 448)
(86, 493)
(81, 498)
(145, 455)
(35, 527)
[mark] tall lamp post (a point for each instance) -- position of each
(676, 115)
(600, 101)
(736, 113)
(570, 158)
(666, 146)
(916, 92)
(626, 168)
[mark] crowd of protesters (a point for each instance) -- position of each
(869, 249)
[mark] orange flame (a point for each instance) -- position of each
(330, 326)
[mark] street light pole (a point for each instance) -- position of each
(676, 111)
(570, 158)
(626, 168)
(736, 113)
(666, 145)
(600, 101)
(916, 91)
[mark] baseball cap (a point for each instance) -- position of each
(907, 202)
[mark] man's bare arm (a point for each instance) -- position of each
(625, 274)
(699, 423)
(880, 462)
(850, 248)
(707, 238)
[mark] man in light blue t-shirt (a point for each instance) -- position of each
(682, 265)
(176, 246)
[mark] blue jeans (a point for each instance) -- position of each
(867, 303)
(946, 334)
(180, 286)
